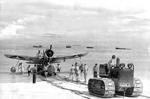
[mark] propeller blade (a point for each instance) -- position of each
(50, 47)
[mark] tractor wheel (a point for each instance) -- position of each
(129, 91)
(102, 87)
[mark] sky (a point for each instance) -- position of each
(84, 20)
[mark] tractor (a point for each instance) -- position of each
(115, 80)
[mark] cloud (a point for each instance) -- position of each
(29, 18)
(119, 5)
(12, 29)
(85, 17)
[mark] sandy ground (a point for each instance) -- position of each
(54, 89)
(34, 91)
(146, 87)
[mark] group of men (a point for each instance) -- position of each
(77, 72)
(20, 67)
(45, 69)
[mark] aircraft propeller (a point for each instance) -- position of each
(49, 52)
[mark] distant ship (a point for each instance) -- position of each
(90, 47)
(37, 46)
(120, 48)
(68, 46)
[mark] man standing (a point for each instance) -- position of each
(46, 71)
(72, 72)
(112, 62)
(28, 70)
(34, 71)
(95, 71)
(117, 62)
(58, 68)
(20, 67)
(76, 72)
(85, 70)
(81, 70)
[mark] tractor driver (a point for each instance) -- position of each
(112, 62)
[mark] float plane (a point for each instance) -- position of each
(44, 59)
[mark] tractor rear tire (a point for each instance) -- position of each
(136, 90)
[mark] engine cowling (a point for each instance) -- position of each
(49, 53)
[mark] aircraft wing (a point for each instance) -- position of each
(19, 57)
(69, 57)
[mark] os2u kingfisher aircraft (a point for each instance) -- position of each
(44, 60)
